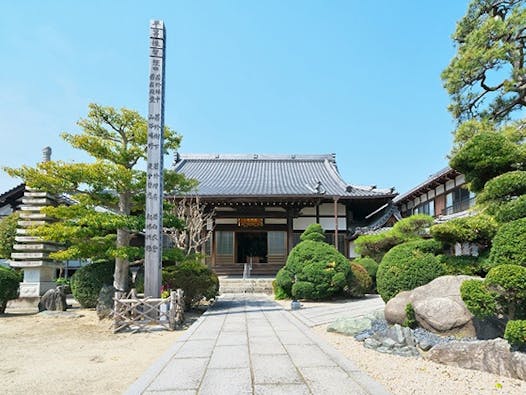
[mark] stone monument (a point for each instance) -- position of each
(154, 183)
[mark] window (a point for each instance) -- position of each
(277, 243)
(329, 239)
(426, 208)
(225, 243)
(458, 200)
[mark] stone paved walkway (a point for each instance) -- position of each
(319, 313)
(248, 344)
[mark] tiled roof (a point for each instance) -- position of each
(432, 182)
(377, 223)
(270, 175)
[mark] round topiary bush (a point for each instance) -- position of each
(369, 264)
(9, 281)
(509, 244)
(463, 264)
(314, 232)
(361, 283)
(88, 280)
(194, 278)
(316, 262)
(407, 266)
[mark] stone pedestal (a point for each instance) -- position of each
(30, 252)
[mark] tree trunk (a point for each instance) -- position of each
(120, 276)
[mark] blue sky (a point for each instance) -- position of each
(360, 79)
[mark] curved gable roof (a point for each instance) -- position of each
(270, 175)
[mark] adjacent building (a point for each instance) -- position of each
(262, 204)
(443, 195)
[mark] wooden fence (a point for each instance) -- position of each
(136, 314)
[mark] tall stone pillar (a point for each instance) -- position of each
(31, 252)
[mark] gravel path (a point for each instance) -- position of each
(403, 375)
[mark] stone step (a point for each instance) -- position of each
(234, 285)
(30, 208)
(37, 194)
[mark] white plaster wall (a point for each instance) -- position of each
(450, 184)
(328, 223)
(460, 180)
(273, 221)
(308, 211)
(226, 221)
(328, 209)
(439, 189)
(301, 223)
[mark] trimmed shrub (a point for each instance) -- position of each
(509, 244)
(313, 232)
(88, 280)
(503, 291)
(408, 266)
(480, 301)
(484, 156)
(371, 266)
(194, 278)
(413, 227)
(317, 263)
(376, 245)
(468, 265)
(9, 281)
(304, 290)
(474, 229)
(279, 294)
(504, 187)
(509, 211)
(515, 333)
(361, 283)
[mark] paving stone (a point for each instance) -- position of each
(274, 369)
(232, 338)
(234, 327)
(265, 345)
(196, 349)
(331, 380)
(229, 357)
(293, 337)
(226, 382)
(281, 389)
(180, 374)
(171, 392)
(308, 355)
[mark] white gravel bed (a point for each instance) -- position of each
(406, 375)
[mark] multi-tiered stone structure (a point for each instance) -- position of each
(31, 252)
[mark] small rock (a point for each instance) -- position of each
(396, 333)
(388, 342)
(362, 336)
(350, 326)
(424, 345)
(371, 343)
(384, 350)
(53, 300)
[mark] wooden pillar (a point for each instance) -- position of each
(336, 222)
(290, 229)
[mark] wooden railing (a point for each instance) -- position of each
(143, 314)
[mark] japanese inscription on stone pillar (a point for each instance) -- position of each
(154, 182)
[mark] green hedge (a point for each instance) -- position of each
(408, 266)
(194, 278)
(509, 244)
(9, 281)
(468, 265)
(87, 282)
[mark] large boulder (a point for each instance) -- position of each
(350, 326)
(438, 307)
(53, 300)
(493, 356)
